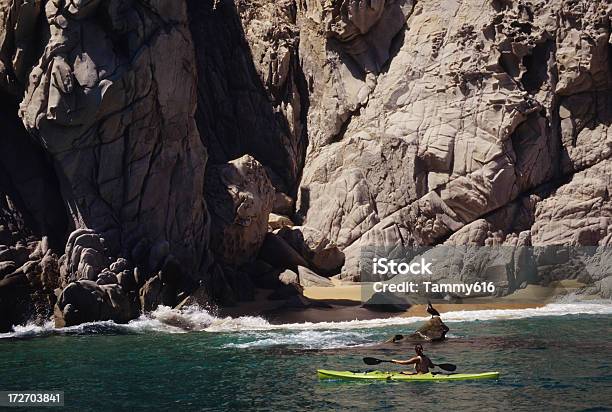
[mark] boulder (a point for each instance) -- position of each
(127, 281)
(119, 265)
(240, 197)
(323, 255)
(386, 302)
(309, 278)
(278, 253)
(85, 301)
(432, 331)
(150, 294)
(290, 286)
(107, 278)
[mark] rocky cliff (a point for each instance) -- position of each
(153, 147)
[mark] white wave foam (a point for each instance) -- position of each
(168, 320)
(307, 339)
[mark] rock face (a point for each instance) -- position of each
(396, 123)
(240, 198)
(480, 112)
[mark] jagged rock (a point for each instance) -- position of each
(85, 301)
(119, 265)
(127, 281)
(199, 297)
(579, 212)
(19, 255)
(150, 294)
(263, 274)
(309, 278)
(240, 198)
(391, 124)
(107, 278)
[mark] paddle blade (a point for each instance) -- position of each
(447, 367)
(371, 361)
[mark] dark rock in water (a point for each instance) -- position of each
(85, 301)
(200, 297)
(171, 272)
(386, 302)
(150, 294)
(433, 330)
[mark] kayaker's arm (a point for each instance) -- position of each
(406, 362)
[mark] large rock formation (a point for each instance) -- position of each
(396, 123)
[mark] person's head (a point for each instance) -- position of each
(418, 349)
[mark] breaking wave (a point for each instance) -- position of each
(194, 319)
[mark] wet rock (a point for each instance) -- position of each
(433, 330)
(150, 294)
(85, 301)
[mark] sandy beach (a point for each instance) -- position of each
(343, 302)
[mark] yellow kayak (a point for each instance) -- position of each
(396, 376)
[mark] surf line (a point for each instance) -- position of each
(431, 287)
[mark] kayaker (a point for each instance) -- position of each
(422, 363)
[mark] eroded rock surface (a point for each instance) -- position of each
(392, 123)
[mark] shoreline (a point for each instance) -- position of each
(342, 302)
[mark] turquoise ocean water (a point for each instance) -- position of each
(549, 360)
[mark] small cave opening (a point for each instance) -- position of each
(536, 66)
(28, 178)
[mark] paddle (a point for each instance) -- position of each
(374, 361)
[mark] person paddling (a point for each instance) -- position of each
(421, 362)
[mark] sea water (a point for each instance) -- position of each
(558, 357)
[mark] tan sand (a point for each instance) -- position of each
(344, 303)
